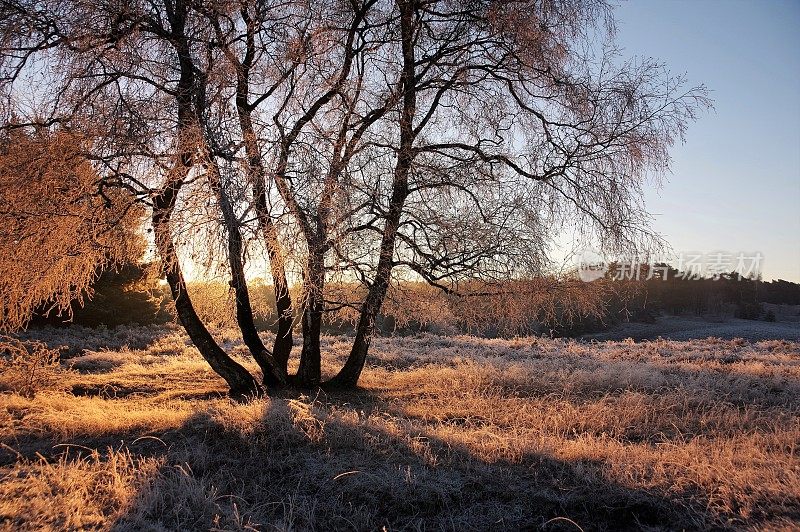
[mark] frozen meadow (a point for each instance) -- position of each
(134, 431)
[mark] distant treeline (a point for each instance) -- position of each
(550, 306)
(666, 290)
(673, 292)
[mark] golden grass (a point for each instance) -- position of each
(446, 433)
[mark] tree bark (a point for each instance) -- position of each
(241, 383)
(309, 371)
(282, 347)
(351, 371)
(283, 300)
(272, 374)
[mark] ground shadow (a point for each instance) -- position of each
(323, 464)
(358, 461)
(314, 472)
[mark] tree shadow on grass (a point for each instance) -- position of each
(302, 464)
(357, 461)
(312, 465)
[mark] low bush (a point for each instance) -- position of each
(27, 366)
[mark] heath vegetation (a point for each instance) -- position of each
(444, 433)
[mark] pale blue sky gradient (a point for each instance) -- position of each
(735, 183)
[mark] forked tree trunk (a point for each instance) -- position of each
(241, 383)
(310, 359)
(282, 348)
(271, 372)
(309, 371)
(256, 178)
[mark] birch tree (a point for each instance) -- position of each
(366, 142)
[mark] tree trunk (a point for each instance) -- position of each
(282, 348)
(309, 372)
(351, 371)
(272, 374)
(241, 383)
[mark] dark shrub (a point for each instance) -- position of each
(749, 311)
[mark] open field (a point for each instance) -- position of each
(787, 327)
(134, 432)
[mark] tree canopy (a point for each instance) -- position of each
(58, 227)
(361, 141)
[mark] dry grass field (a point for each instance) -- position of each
(133, 432)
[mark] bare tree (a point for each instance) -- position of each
(368, 141)
(496, 97)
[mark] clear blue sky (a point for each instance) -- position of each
(735, 184)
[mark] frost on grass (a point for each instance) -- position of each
(445, 433)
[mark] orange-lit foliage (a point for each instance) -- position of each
(27, 366)
(57, 226)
